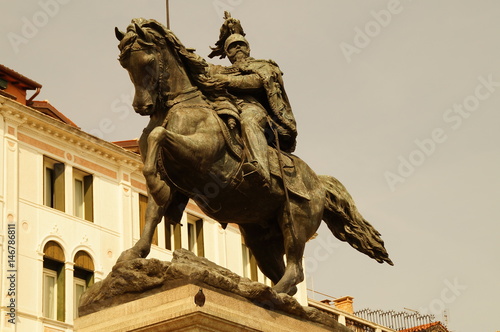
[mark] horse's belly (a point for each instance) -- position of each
(239, 209)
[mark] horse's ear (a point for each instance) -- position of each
(140, 32)
(119, 35)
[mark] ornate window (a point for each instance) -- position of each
(83, 277)
(53, 282)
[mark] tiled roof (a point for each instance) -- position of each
(46, 108)
(26, 82)
(423, 327)
(130, 145)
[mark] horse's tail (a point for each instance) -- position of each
(347, 224)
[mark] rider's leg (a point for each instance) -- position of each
(253, 123)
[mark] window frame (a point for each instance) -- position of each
(51, 305)
(250, 268)
(86, 195)
(54, 187)
(76, 299)
(143, 204)
(195, 236)
(83, 275)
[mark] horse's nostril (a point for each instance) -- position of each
(143, 109)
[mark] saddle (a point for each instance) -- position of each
(228, 119)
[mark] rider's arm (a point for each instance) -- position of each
(244, 82)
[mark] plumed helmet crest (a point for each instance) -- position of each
(231, 26)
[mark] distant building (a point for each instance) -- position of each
(368, 320)
(431, 327)
(343, 311)
(70, 204)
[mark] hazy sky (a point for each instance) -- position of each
(397, 99)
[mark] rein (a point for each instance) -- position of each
(175, 98)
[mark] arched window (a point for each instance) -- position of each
(53, 281)
(83, 277)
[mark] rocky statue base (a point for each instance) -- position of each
(150, 295)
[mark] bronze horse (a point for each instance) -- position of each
(186, 155)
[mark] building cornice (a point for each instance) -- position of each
(32, 120)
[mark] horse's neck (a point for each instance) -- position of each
(173, 83)
(177, 79)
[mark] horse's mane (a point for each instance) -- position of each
(157, 34)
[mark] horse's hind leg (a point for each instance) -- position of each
(298, 223)
(267, 247)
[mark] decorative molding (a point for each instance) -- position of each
(11, 130)
(138, 185)
(40, 145)
(95, 167)
(74, 138)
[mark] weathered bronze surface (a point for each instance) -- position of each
(213, 137)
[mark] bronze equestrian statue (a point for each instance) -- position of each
(195, 147)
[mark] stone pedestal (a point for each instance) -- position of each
(175, 310)
(151, 295)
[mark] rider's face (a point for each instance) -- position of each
(237, 51)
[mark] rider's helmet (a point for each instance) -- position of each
(235, 37)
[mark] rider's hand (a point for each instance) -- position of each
(217, 81)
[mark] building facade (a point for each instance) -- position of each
(70, 204)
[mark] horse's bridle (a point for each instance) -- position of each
(172, 98)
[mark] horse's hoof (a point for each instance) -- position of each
(290, 291)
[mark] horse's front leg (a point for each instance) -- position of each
(158, 189)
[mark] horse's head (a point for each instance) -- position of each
(140, 54)
(158, 64)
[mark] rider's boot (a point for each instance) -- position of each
(254, 168)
